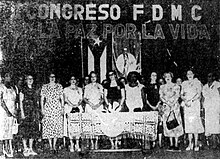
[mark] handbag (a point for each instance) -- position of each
(75, 110)
(15, 126)
(171, 124)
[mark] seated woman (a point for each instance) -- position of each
(93, 97)
(73, 100)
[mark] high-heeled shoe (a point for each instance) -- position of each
(196, 148)
(9, 155)
(77, 148)
(190, 147)
(2, 156)
(31, 152)
(26, 152)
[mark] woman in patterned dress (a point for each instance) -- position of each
(191, 95)
(53, 110)
(9, 97)
(73, 101)
(169, 95)
(29, 127)
(93, 97)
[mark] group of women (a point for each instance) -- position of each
(51, 105)
(192, 97)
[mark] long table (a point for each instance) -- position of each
(114, 124)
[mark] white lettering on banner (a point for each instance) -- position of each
(78, 12)
(67, 12)
(105, 11)
(176, 13)
(118, 12)
(90, 11)
(154, 12)
(137, 11)
(102, 11)
(193, 12)
(43, 11)
(56, 9)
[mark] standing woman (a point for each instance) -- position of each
(4, 114)
(152, 93)
(93, 97)
(191, 94)
(53, 110)
(73, 104)
(134, 93)
(9, 98)
(169, 95)
(29, 127)
(114, 92)
(211, 94)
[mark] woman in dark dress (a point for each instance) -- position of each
(114, 92)
(29, 127)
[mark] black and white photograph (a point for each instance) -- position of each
(110, 79)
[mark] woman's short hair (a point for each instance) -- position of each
(90, 75)
(113, 71)
(171, 74)
(123, 78)
(133, 73)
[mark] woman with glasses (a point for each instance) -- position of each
(169, 95)
(52, 104)
(73, 101)
(29, 127)
(191, 95)
(114, 93)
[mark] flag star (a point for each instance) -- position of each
(97, 41)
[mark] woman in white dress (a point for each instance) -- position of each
(4, 114)
(169, 95)
(73, 101)
(134, 93)
(211, 94)
(191, 95)
(9, 97)
(93, 97)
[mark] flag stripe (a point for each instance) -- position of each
(91, 61)
(103, 65)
